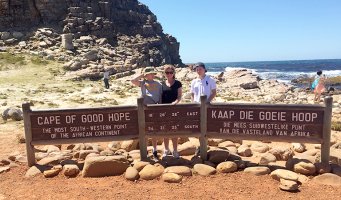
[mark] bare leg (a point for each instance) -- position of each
(175, 144)
(175, 147)
(154, 142)
(166, 143)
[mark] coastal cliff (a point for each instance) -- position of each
(93, 36)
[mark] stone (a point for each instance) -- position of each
(284, 174)
(303, 178)
(139, 165)
(187, 148)
(214, 142)
(204, 170)
(288, 185)
(35, 170)
(70, 170)
(258, 171)
(217, 156)
(336, 169)
(282, 153)
(305, 168)
(67, 41)
(259, 147)
(298, 147)
(84, 153)
(180, 170)
(4, 169)
(328, 179)
(244, 150)
(266, 158)
(131, 174)
(5, 35)
(322, 168)
(150, 172)
(105, 166)
(129, 145)
(4, 162)
(171, 178)
(12, 113)
(227, 167)
(17, 35)
(51, 173)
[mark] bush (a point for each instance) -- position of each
(38, 61)
(336, 126)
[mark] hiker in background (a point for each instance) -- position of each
(151, 92)
(171, 94)
(106, 79)
(202, 85)
(319, 86)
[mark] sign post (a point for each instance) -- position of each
(325, 146)
(142, 125)
(31, 159)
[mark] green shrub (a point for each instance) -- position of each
(8, 58)
(336, 126)
(38, 61)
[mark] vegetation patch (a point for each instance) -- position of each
(38, 61)
(336, 126)
(11, 59)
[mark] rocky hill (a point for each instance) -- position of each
(90, 36)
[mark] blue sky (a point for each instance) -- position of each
(251, 30)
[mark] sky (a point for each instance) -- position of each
(251, 30)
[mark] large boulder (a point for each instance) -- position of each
(217, 156)
(12, 113)
(204, 170)
(105, 166)
(151, 172)
(328, 179)
(180, 170)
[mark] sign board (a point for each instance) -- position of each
(172, 119)
(289, 122)
(84, 123)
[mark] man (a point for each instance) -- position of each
(106, 79)
(202, 85)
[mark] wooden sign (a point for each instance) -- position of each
(172, 119)
(84, 123)
(285, 122)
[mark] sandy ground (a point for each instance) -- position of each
(47, 90)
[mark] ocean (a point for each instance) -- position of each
(283, 71)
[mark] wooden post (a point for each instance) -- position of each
(325, 147)
(203, 127)
(31, 160)
(142, 128)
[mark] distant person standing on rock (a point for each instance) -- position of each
(202, 85)
(319, 86)
(151, 92)
(106, 79)
(171, 94)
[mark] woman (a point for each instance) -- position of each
(151, 91)
(320, 86)
(171, 94)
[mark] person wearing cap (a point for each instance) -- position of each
(151, 92)
(202, 85)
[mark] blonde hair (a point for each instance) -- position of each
(169, 67)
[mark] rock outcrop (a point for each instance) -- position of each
(95, 36)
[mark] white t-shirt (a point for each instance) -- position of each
(202, 87)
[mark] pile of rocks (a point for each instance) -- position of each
(291, 165)
(92, 36)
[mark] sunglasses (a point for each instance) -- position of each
(169, 72)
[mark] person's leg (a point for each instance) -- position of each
(175, 147)
(166, 150)
(154, 142)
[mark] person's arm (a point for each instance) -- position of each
(192, 91)
(179, 96)
(213, 94)
(213, 90)
(136, 80)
